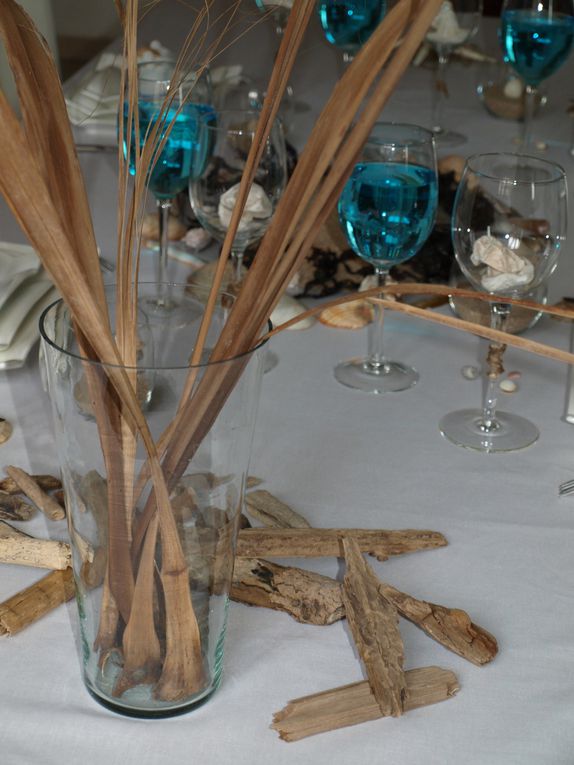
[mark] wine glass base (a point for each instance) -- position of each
(389, 377)
(448, 139)
(463, 428)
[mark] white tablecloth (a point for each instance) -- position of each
(347, 459)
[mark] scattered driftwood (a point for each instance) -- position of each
(45, 482)
(35, 601)
(374, 624)
(42, 553)
(308, 597)
(270, 511)
(15, 508)
(353, 704)
(48, 505)
(451, 627)
(316, 543)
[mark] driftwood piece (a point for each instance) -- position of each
(36, 601)
(317, 543)
(451, 627)
(15, 508)
(48, 505)
(41, 553)
(262, 506)
(45, 482)
(6, 430)
(354, 704)
(308, 597)
(374, 624)
(9, 532)
(253, 481)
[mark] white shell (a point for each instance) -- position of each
(504, 268)
(288, 308)
(469, 372)
(258, 206)
(508, 386)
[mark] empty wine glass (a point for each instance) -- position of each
(213, 193)
(348, 24)
(454, 24)
(387, 210)
(175, 101)
(508, 229)
(536, 38)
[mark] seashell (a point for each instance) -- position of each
(288, 308)
(470, 372)
(197, 238)
(353, 315)
(5, 430)
(514, 375)
(508, 386)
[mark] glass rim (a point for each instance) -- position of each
(558, 171)
(418, 135)
(96, 362)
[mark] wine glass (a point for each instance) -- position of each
(455, 23)
(280, 10)
(387, 210)
(536, 38)
(188, 97)
(508, 229)
(347, 24)
(213, 192)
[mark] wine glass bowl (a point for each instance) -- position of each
(170, 106)
(387, 210)
(508, 231)
(347, 24)
(228, 137)
(536, 39)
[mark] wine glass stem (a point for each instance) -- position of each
(498, 316)
(163, 206)
(440, 92)
(237, 257)
(529, 106)
(375, 357)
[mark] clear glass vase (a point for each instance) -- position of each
(152, 577)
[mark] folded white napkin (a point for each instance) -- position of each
(17, 263)
(27, 335)
(25, 290)
(95, 98)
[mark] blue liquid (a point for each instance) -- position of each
(349, 23)
(183, 154)
(536, 44)
(388, 210)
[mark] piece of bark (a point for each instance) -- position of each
(14, 508)
(36, 601)
(308, 597)
(253, 481)
(44, 481)
(317, 543)
(451, 627)
(270, 511)
(6, 430)
(354, 704)
(374, 624)
(48, 505)
(41, 553)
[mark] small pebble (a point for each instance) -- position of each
(470, 372)
(508, 386)
(514, 375)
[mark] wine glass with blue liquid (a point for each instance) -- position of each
(536, 38)
(175, 101)
(347, 24)
(387, 210)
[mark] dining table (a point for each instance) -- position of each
(347, 459)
